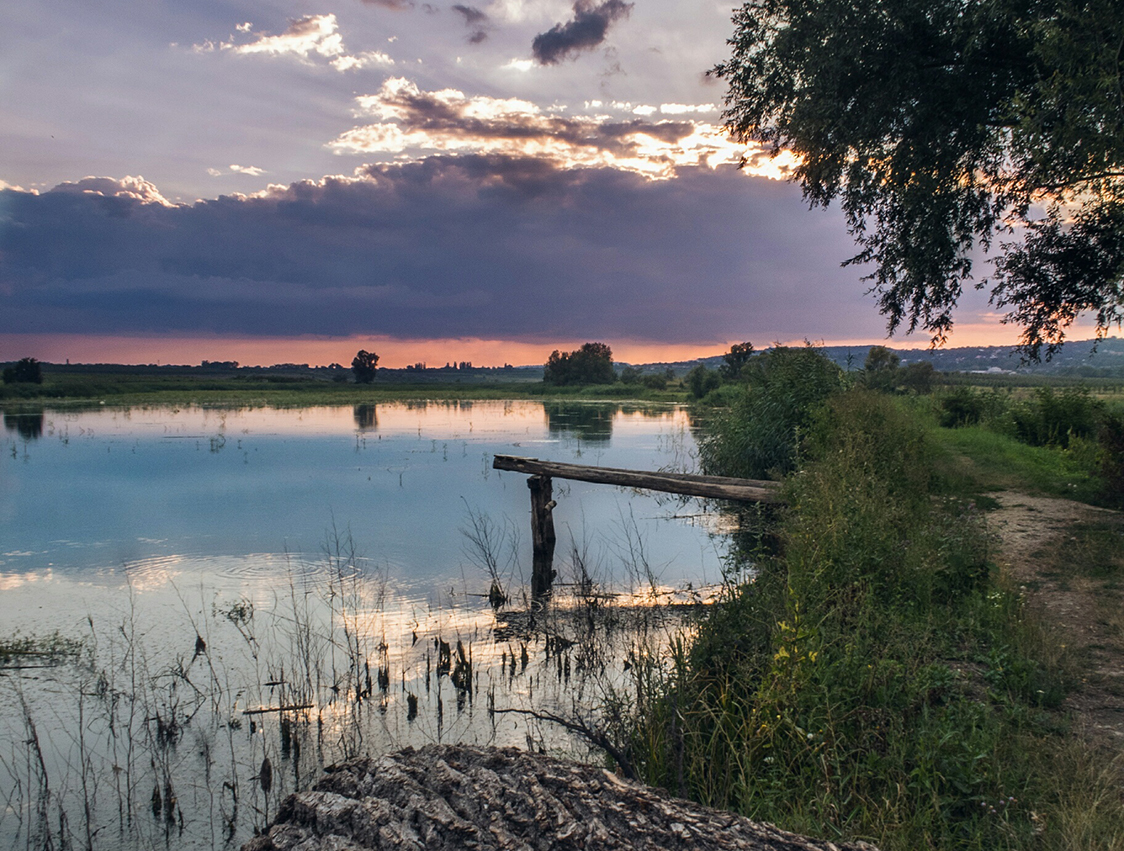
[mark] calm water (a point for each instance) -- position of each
(219, 562)
(233, 499)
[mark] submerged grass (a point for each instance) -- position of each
(877, 678)
(23, 651)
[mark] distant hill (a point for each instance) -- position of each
(1076, 358)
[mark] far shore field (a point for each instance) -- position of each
(271, 389)
(301, 386)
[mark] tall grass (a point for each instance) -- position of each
(876, 679)
(1063, 444)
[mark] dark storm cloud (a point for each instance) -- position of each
(493, 247)
(587, 30)
(391, 4)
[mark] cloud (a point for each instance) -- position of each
(396, 5)
(686, 109)
(473, 17)
(362, 60)
(251, 170)
(495, 247)
(475, 20)
(413, 122)
(310, 34)
(587, 30)
(132, 188)
(307, 37)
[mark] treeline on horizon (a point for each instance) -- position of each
(1103, 358)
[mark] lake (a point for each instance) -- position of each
(258, 592)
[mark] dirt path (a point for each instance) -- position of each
(1069, 558)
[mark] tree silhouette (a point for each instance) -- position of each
(591, 364)
(364, 365)
(25, 371)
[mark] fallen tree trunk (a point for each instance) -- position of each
(449, 798)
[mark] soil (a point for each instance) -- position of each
(1069, 560)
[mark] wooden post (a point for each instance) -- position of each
(542, 538)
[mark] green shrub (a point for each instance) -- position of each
(24, 371)
(631, 375)
(701, 381)
(759, 435)
(962, 407)
(1111, 440)
(724, 395)
(917, 378)
(1051, 419)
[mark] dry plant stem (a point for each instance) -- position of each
(576, 725)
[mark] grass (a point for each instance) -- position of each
(279, 391)
(26, 651)
(974, 459)
(877, 678)
(193, 738)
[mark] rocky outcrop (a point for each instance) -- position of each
(452, 798)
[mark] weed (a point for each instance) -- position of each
(874, 678)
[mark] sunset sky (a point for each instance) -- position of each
(291, 181)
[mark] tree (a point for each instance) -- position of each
(591, 364)
(735, 359)
(881, 359)
(631, 375)
(881, 368)
(759, 434)
(24, 371)
(364, 366)
(917, 377)
(941, 125)
(701, 381)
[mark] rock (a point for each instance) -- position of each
(452, 798)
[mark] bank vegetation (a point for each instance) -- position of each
(872, 672)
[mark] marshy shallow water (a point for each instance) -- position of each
(260, 592)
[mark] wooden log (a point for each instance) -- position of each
(712, 487)
(543, 538)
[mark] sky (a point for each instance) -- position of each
(289, 181)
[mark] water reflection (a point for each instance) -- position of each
(281, 686)
(248, 486)
(366, 417)
(223, 614)
(584, 420)
(27, 424)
